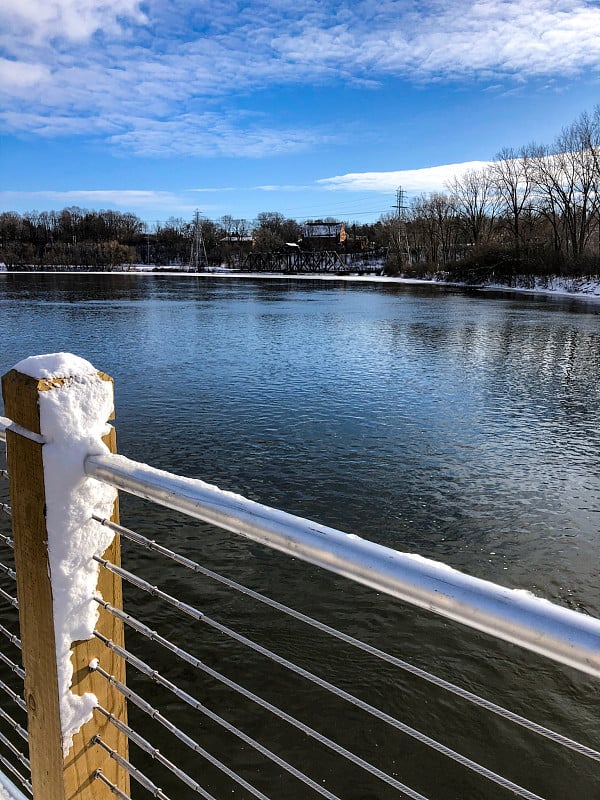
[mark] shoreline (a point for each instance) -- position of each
(574, 288)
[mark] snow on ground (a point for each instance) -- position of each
(8, 791)
(582, 288)
(73, 414)
(567, 287)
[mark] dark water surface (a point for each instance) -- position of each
(462, 427)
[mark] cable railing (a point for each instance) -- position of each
(192, 565)
(14, 759)
(518, 617)
(468, 763)
(188, 761)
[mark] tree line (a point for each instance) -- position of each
(534, 210)
(83, 238)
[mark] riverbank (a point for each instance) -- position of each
(577, 288)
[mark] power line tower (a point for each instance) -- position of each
(400, 203)
(402, 245)
(198, 255)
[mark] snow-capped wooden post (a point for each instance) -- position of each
(65, 403)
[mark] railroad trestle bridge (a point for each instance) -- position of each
(307, 261)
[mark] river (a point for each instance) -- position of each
(458, 425)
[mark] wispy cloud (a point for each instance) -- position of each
(428, 179)
(150, 79)
(127, 199)
(19, 76)
(213, 133)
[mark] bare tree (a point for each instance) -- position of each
(512, 180)
(567, 181)
(475, 204)
(434, 228)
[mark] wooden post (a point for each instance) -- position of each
(55, 777)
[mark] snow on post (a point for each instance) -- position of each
(72, 421)
(66, 400)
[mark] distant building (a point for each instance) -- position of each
(243, 241)
(235, 247)
(319, 235)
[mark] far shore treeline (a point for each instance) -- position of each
(534, 211)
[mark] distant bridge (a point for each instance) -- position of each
(307, 261)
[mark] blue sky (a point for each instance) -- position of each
(298, 106)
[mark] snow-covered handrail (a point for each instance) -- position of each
(8, 425)
(517, 616)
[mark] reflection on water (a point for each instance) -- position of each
(464, 428)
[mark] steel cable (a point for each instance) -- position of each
(22, 780)
(14, 725)
(322, 683)
(464, 694)
(135, 773)
(15, 751)
(100, 776)
(155, 753)
(153, 713)
(7, 540)
(319, 737)
(12, 666)
(11, 637)
(198, 706)
(13, 696)
(8, 571)
(9, 599)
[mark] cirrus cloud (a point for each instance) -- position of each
(139, 77)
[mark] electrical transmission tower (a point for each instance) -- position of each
(402, 245)
(400, 203)
(198, 255)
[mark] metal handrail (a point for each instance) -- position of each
(516, 616)
(8, 425)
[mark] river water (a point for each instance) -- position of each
(461, 426)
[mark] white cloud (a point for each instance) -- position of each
(212, 133)
(428, 179)
(122, 198)
(18, 76)
(466, 37)
(152, 82)
(36, 21)
(286, 187)
(52, 125)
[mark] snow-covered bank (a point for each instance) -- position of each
(583, 288)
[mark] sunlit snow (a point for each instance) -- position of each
(73, 414)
